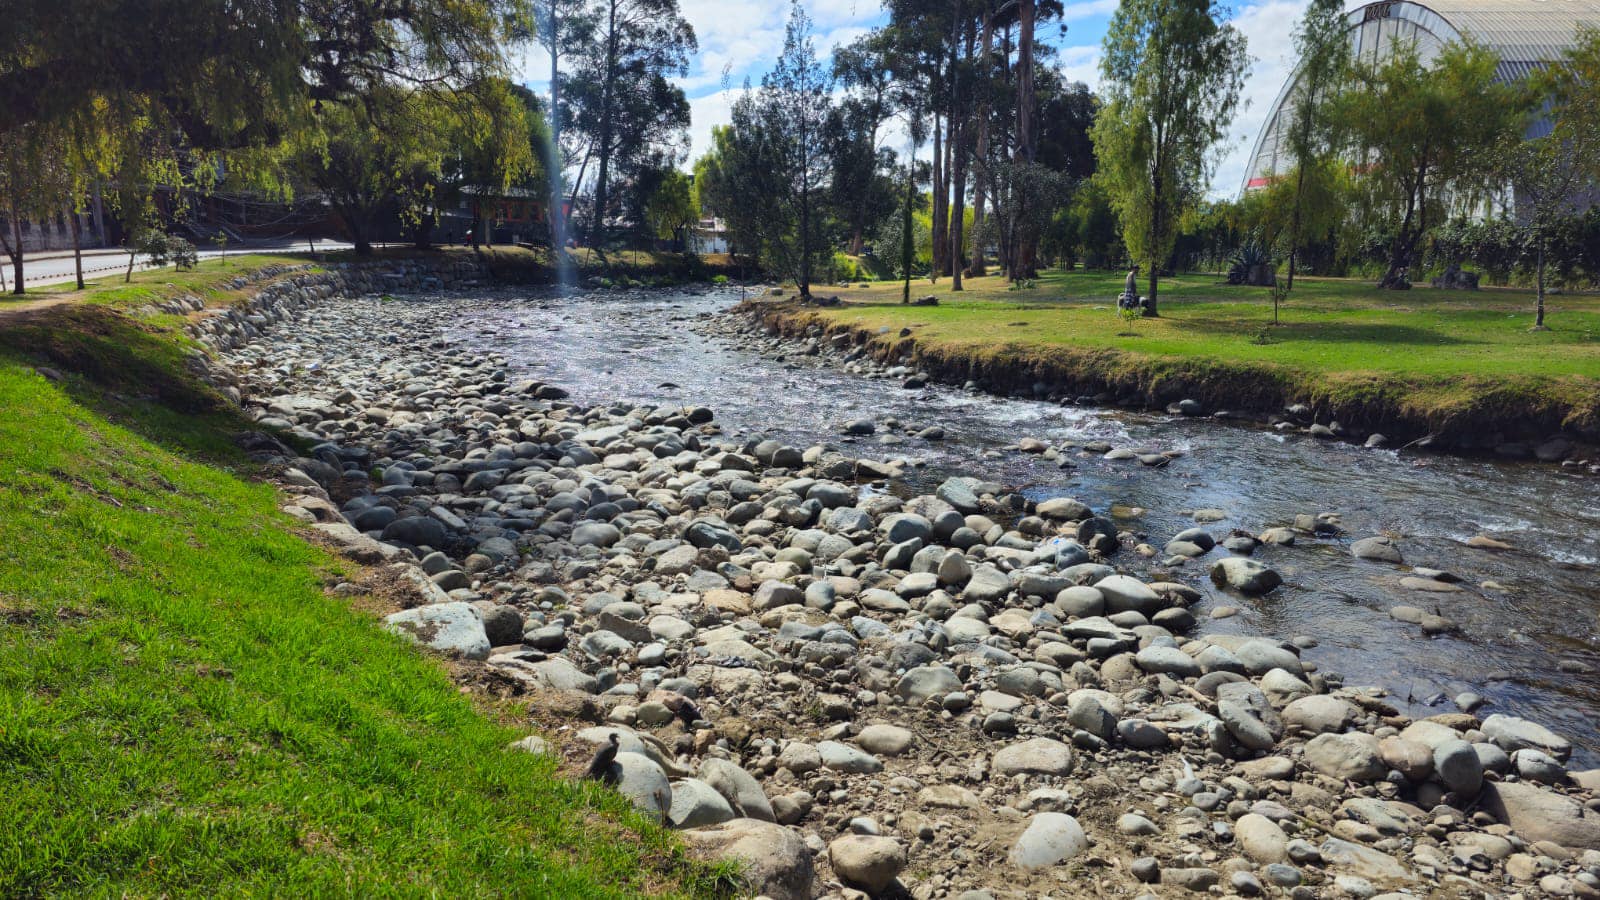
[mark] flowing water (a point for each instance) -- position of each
(1529, 641)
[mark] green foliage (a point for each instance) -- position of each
(1435, 127)
(673, 208)
(773, 167)
(719, 280)
(162, 249)
(1172, 74)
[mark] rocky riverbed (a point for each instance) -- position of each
(962, 692)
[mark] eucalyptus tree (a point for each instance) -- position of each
(620, 91)
(1171, 73)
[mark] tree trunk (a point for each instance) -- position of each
(980, 170)
(607, 92)
(1025, 16)
(16, 251)
(558, 239)
(1538, 321)
(77, 249)
(939, 210)
(1294, 229)
(1151, 309)
(907, 245)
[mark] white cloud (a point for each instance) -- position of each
(1268, 28)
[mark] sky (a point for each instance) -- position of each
(739, 39)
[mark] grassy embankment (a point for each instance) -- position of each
(184, 708)
(1438, 359)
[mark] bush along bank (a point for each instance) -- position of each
(844, 689)
(1543, 419)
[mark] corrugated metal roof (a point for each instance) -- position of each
(1520, 30)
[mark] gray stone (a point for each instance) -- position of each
(1378, 549)
(642, 781)
(1246, 576)
(1537, 814)
(886, 740)
(1039, 756)
(868, 862)
(1348, 757)
(696, 804)
(773, 861)
(1124, 593)
(845, 758)
(738, 787)
(1458, 766)
(446, 627)
(1511, 734)
(1261, 839)
(1156, 659)
(1050, 839)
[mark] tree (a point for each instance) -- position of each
(558, 22)
(778, 159)
(1172, 75)
(672, 208)
(620, 95)
(229, 75)
(389, 153)
(1425, 136)
(1322, 44)
(863, 172)
(1548, 174)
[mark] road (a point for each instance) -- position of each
(48, 268)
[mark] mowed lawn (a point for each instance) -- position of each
(1328, 325)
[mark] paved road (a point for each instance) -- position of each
(43, 269)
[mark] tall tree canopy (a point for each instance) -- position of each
(1424, 135)
(1172, 73)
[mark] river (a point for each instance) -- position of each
(1528, 642)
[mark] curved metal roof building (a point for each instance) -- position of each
(1526, 34)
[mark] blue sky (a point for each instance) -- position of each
(739, 40)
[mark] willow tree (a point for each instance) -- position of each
(1171, 79)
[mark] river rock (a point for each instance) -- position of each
(1319, 714)
(886, 740)
(1064, 509)
(1347, 757)
(1039, 756)
(1261, 839)
(1511, 734)
(922, 682)
(738, 787)
(1246, 576)
(696, 804)
(642, 781)
(1050, 839)
(772, 860)
(1537, 814)
(1123, 593)
(1378, 549)
(1458, 766)
(867, 862)
(845, 758)
(447, 627)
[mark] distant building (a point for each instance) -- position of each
(708, 236)
(1527, 35)
(513, 215)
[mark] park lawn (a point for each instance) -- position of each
(1329, 326)
(184, 708)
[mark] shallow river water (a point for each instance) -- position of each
(1529, 643)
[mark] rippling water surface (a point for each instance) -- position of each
(1519, 637)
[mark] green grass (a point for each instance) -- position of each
(184, 708)
(1431, 354)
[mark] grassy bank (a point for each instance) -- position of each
(1443, 361)
(186, 709)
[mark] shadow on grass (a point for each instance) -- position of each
(131, 373)
(1376, 335)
